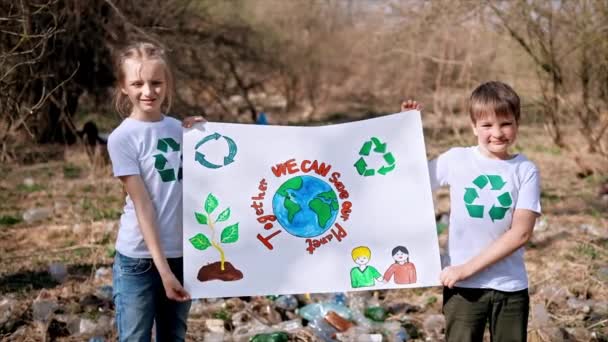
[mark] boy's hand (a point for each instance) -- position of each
(191, 120)
(410, 105)
(452, 274)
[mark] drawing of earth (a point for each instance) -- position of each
(305, 206)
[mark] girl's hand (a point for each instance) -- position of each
(174, 289)
(453, 274)
(410, 105)
(191, 120)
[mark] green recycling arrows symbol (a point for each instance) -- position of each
(496, 184)
(375, 145)
(166, 145)
(200, 157)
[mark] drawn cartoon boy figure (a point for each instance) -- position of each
(363, 275)
(403, 270)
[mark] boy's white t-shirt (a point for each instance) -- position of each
(484, 193)
(153, 151)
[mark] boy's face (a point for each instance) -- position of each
(495, 135)
(362, 260)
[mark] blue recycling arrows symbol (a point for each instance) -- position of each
(228, 159)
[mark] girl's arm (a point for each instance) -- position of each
(189, 121)
(389, 272)
(520, 232)
(146, 217)
(413, 275)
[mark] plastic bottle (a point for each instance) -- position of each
(395, 332)
(58, 271)
(44, 306)
(340, 298)
(36, 214)
(280, 336)
(104, 292)
(286, 302)
(376, 313)
(314, 311)
(322, 329)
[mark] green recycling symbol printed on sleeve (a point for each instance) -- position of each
(166, 145)
(376, 146)
(496, 212)
(228, 159)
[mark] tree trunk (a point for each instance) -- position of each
(56, 124)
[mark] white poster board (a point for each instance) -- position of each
(280, 209)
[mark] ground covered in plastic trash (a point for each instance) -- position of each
(58, 222)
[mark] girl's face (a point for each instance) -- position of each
(146, 86)
(495, 135)
(362, 260)
(400, 256)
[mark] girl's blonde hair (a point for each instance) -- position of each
(143, 51)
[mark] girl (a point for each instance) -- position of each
(146, 155)
(403, 270)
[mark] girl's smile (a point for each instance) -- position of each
(145, 85)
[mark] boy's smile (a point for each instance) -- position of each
(495, 135)
(362, 260)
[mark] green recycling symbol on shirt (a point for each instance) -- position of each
(378, 147)
(200, 158)
(166, 145)
(496, 184)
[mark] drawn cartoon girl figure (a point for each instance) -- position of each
(403, 270)
(363, 275)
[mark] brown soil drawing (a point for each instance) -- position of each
(213, 271)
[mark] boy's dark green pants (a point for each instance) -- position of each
(468, 310)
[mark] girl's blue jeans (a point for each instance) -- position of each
(140, 300)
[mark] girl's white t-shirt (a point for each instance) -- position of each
(153, 151)
(484, 193)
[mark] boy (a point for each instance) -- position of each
(495, 200)
(363, 275)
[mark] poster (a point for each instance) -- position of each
(285, 210)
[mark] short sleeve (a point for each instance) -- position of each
(374, 272)
(123, 155)
(439, 170)
(529, 192)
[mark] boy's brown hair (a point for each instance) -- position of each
(494, 98)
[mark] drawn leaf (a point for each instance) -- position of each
(224, 215)
(200, 241)
(201, 218)
(211, 203)
(230, 234)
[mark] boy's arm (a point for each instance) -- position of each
(146, 217)
(410, 105)
(520, 232)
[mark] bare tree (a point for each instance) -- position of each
(54, 51)
(567, 42)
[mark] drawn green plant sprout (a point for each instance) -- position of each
(229, 234)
